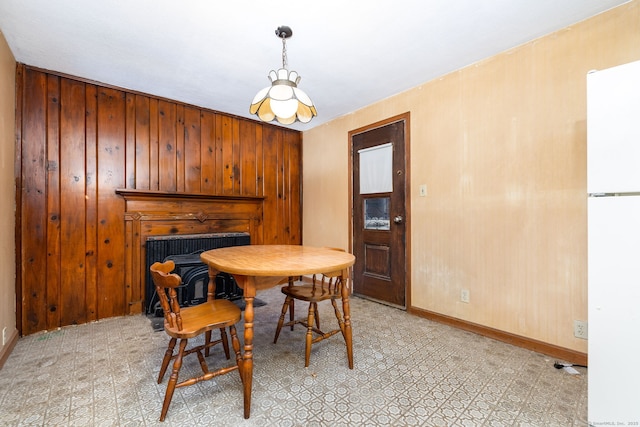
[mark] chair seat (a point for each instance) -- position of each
(215, 314)
(311, 293)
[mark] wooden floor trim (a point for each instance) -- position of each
(560, 353)
(8, 348)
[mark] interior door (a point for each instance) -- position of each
(379, 214)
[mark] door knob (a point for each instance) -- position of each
(398, 219)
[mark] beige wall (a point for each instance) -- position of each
(501, 146)
(7, 193)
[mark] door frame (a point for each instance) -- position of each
(404, 117)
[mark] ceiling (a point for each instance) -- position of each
(217, 55)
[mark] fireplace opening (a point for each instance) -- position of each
(184, 251)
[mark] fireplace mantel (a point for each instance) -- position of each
(154, 195)
(157, 213)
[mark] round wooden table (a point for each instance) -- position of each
(256, 267)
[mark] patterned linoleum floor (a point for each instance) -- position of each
(408, 372)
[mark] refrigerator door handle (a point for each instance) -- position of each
(623, 194)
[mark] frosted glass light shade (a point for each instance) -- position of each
(283, 100)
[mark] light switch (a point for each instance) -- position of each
(423, 190)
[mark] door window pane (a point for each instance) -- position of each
(376, 164)
(376, 213)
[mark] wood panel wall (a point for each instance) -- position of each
(78, 142)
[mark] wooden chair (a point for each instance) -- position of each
(327, 286)
(189, 322)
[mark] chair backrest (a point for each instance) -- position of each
(331, 281)
(166, 284)
(327, 283)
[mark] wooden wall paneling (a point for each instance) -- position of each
(225, 138)
(207, 152)
(34, 203)
(54, 309)
(167, 146)
(247, 158)
(192, 144)
(17, 166)
(142, 143)
(78, 143)
(111, 160)
(130, 141)
(259, 160)
(154, 155)
(219, 171)
(236, 165)
(283, 169)
(294, 189)
(283, 211)
(72, 202)
(91, 202)
(179, 143)
(133, 292)
(291, 196)
(272, 210)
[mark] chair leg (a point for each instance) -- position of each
(317, 314)
(225, 342)
(207, 340)
(173, 380)
(292, 308)
(339, 317)
(235, 343)
(309, 338)
(292, 303)
(165, 361)
(285, 306)
(203, 362)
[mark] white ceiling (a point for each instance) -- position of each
(350, 53)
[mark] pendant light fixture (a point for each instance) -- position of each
(283, 100)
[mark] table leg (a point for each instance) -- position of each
(249, 292)
(346, 311)
(245, 365)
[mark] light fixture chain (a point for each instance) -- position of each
(284, 52)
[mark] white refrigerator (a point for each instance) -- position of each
(613, 187)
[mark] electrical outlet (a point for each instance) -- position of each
(464, 295)
(580, 329)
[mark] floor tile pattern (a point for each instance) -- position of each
(408, 372)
